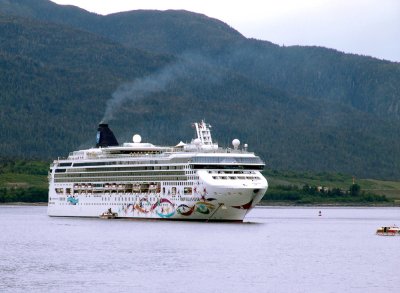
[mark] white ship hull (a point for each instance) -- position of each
(208, 204)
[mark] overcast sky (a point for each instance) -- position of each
(367, 27)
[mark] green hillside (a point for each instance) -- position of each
(329, 188)
(26, 181)
(300, 108)
(23, 181)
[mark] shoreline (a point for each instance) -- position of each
(260, 204)
(292, 204)
(18, 203)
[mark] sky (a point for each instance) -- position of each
(365, 27)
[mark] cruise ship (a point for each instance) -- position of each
(190, 181)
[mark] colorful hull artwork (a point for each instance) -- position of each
(73, 200)
(204, 208)
(164, 208)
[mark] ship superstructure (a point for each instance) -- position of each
(193, 181)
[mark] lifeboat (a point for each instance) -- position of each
(108, 215)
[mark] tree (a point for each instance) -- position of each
(355, 189)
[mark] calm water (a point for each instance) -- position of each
(276, 250)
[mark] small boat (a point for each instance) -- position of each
(108, 215)
(388, 231)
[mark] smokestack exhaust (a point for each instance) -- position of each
(105, 137)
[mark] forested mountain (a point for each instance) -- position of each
(54, 84)
(301, 108)
(367, 84)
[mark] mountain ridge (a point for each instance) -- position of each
(301, 108)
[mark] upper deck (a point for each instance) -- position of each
(201, 151)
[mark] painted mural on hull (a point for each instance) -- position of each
(199, 206)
